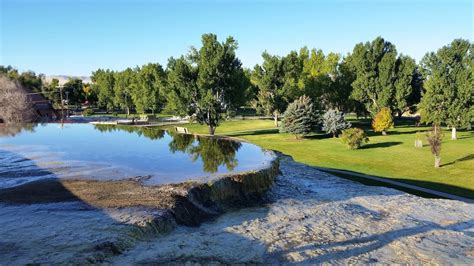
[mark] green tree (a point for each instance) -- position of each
(269, 78)
(300, 118)
(73, 91)
(180, 86)
(449, 83)
(374, 65)
(103, 84)
(123, 86)
(407, 84)
(148, 92)
(213, 79)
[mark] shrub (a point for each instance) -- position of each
(435, 137)
(300, 118)
(334, 122)
(382, 121)
(354, 138)
(15, 105)
(88, 112)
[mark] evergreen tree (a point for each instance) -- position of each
(334, 122)
(300, 118)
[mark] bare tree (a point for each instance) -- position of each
(15, 105)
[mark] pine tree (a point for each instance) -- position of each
(334, 122)
(300, 118)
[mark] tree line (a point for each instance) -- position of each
(210, 82)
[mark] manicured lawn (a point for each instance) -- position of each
(392, 156)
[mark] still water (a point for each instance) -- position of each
(119, 152)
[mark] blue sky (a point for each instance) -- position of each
(77, 37)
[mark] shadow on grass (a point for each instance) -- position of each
(381, 145)
(465, 158)
(253, 132)
(455, 190)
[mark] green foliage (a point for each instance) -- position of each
(73, 91)
(449, 83)
(125, 83)
(88, 112)
(354, 138)
(383, 120)
(300, 118)
(147, 94)
(209, 82)
(382, 78)
(103, 84)
(269, 78)
(334, 122)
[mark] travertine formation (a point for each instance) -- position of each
(309, 217)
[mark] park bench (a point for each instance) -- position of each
(182, 130)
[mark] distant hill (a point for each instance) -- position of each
(64, 78)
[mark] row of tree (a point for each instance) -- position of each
(210, 81)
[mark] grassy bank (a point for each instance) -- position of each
(392, 156)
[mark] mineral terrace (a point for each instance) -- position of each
(308, 217)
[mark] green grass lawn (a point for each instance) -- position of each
(393, 156)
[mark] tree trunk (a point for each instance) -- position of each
(334, 135)
(437, 161)
(384, 133)
(275, 117)
(128, 111)
(453, 133)
(212, 130)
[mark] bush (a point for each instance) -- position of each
(354, 138)
(88, 112)
(334, 122)
(300, 118)
(382, 121)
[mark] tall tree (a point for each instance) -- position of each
(180, 86)
(374, 64)
(213, 76)
(271, 97)
(408, 84)
(73, 91)
(103, 84)
(150, 83)
(449, 84)
(123, 86)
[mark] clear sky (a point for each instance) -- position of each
(76, 37)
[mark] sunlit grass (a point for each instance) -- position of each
(393, 156)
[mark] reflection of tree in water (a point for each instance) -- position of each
(180, 142)
(151, 133)
(13, 130)
(212, 151)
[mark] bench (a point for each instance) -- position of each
(182, 130)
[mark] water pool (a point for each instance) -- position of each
(114, 153)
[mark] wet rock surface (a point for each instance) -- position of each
(315, 217)
(309, 217)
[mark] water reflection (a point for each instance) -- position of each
(150, 133)
(109, 152)
(213, 152)
(13, 130)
